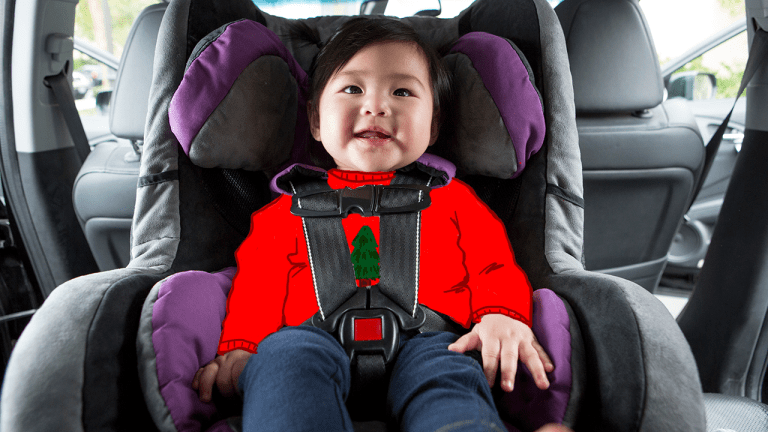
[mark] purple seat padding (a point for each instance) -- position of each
(528, 407)
(507, 79)
(186, 326)
(186, 322)
(212, 74)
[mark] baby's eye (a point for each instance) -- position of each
(352, 89)
(402, 92)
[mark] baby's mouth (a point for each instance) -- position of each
(372, 134)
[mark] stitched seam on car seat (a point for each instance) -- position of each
(565, 195)
(162, 177)
(156, 239)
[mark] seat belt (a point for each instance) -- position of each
(62, 92)
(757, 53)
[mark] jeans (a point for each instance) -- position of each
(300, 379)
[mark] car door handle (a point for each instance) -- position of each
(737, 138)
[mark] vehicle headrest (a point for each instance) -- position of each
(242, 104)
(614, 63)
(130, 98)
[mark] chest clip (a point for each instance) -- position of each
(369, 200)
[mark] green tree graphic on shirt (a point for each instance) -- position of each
(365, 258)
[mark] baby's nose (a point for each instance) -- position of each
(376, 106)
(376, 113)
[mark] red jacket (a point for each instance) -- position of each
(467, 268)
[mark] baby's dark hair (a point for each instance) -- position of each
(356, 34)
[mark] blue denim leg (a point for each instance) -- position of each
(433, 389)
(298, 381)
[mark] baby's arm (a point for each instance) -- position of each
(223, 371)
(502, 340)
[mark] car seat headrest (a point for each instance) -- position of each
(614, 63)
(497, 120)
(242, 104)
(130, 98)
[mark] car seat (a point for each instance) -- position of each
(104, 192)
(641, 155)
(637, 372)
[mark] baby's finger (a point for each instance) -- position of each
(196, 379)
(548, 365)
(530, 357)
(508, 366)
(468, 342)
(491, 350)
(207, 379)
(224, 379)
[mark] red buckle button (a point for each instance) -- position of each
(367, 329)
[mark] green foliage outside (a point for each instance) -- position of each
(733, 7)
(81, 61)
(728, 76)
(122, 13)
(365, 258)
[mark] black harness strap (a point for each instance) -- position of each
(332, 269)
(329, 253)
(400, 235)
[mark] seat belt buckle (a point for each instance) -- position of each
(370, 331)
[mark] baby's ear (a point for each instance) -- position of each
(314, 121)
(435, 130)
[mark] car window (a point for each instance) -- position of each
(399, 8)
(679, 25)
(726, 61)
(103, 26)
(106, 24)
(674, 36)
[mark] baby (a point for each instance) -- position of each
(375, 105)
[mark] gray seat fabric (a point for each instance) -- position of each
(104, 192)
(640, 155)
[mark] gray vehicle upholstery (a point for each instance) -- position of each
(104, 193)
(641, 156)
(639, 373)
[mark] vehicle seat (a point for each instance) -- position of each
(639, 373)
(640, 155)
(104, 192)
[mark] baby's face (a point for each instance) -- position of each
(375, 114)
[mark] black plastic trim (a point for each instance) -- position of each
(724, 320)
(565, 195)
(11, 175)
(162, 177)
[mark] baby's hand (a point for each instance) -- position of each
(502, 339)
(222, 371)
